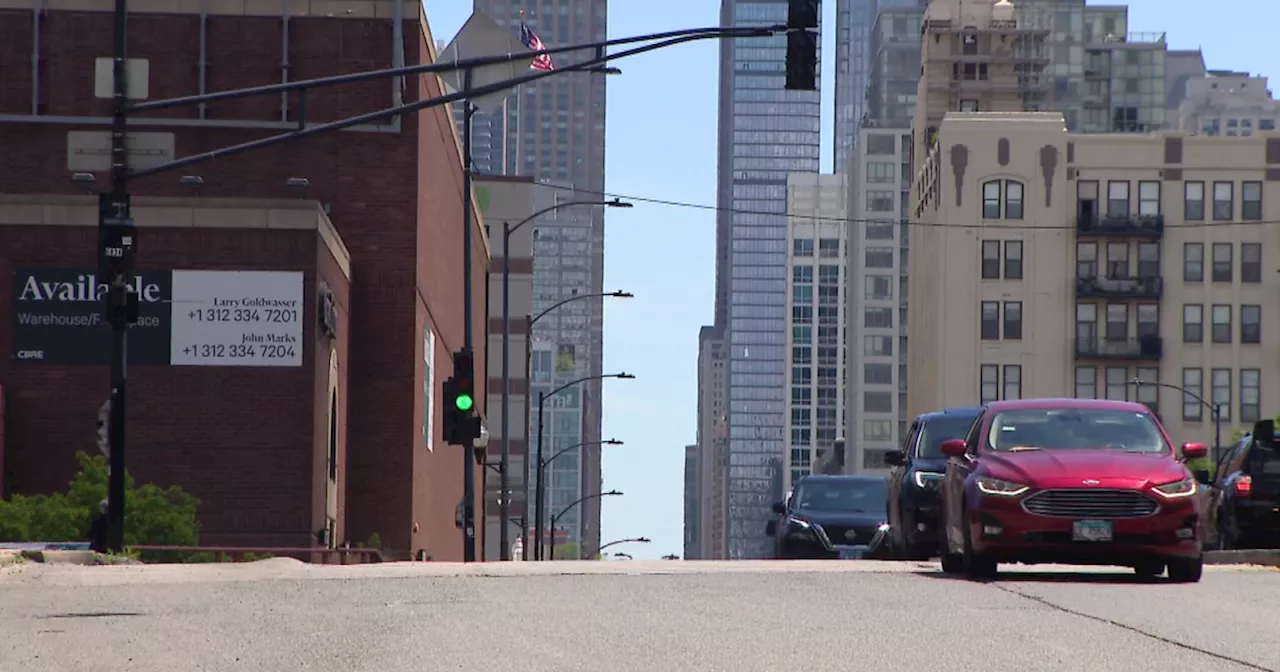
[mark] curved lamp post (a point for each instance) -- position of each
(556, 518)
(1213, 410)
(504, 475)
(540, 488)
(635, 540)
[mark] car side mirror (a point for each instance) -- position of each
(895, 458)
(1202, 476)
(1194, 451)
(779, 508)
(771, 528)
(954, 448)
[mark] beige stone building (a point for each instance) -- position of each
(1046, 263)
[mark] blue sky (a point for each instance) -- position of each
(666, 254)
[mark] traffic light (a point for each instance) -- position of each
(802, 45)
(461, 424)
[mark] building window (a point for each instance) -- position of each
(1251, 262)
(1193, 383)
(1012, 200)
(802, 248)
(1117, 383)
(802, 274)
(990, 321)
(1013, 320)
(1221, 314)
(877, 346)
(878, 287)
(1148, 319)
(991, 200)
(1148, 260)
(801, 335)
(1118, 199)
(877, 430)
(1117, 322)
(877, 374)
(877, 402)
(801, 294)
(1192, 323)
(990, 388)
(1250, 395)
(1148, 199)
(1251, 201)
(1086, 382)
(801, 396)
(1086, 326)
(1012, 382)
(879, 172)
(1251, 323)
(990, 260)
(1193, 200)
(829, 248)
(1118, 260)
(428, 387)
(878, 257)
(1222, 263)
(1193, 262)
(968, 105)
(877, 318)
(1148, 394)
(1221, 392)
(879, 201)
(879, 230)
(1013, 260)
(1223, 201)
(1086, 260)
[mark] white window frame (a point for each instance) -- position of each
(429, 387)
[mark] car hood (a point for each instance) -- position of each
(869, 518)
(1070, 468)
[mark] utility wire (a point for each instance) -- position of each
(886, 220)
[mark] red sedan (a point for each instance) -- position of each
(1070, 481)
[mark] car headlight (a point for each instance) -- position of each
(798, 525)
(1183, 488)
(924, 478)
(995, 486)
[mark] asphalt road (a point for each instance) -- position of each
(280, 615)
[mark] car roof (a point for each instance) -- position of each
(847, 478)
(1102, 404)
(971, 411)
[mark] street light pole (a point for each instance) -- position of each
(1214, 409)
(556, 518)
(635, 540)
(504, 501)
(540, 488)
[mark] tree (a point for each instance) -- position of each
(157, 516)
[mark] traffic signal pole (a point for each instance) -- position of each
(468, 339)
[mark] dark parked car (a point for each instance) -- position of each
(1244, 504)
(916, 479)
(831, 517)
(1071, 481)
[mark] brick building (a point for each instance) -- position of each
(392, 191)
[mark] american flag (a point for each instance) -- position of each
(534, 43)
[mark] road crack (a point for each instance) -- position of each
(1138, 631)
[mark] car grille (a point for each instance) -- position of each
(1104, 504)
(836, 534)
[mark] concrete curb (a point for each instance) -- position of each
(9, 558)
(1266, 557)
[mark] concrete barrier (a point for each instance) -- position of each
(1265, 557)
(11, 558)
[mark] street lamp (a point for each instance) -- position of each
(540, 491)
(556, 518)
(618, 294)
(542, 465)
(1216, 411)
(503, 477)
(636, 540)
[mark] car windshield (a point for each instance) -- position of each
(846, 496)
(1076, 428)
(941, 429)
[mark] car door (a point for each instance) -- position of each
(897, 477)
(1218, 491)
(958, 470)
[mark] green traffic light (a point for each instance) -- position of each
(464, 402)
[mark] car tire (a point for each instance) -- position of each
(1149, 570)
(976, 566)
(1186, 570)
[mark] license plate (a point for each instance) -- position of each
(851, 554)
(1091, 530)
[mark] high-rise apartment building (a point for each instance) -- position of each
(877, 299)
(853, 35)
(894, 72)
(553, 130)
(817, 240)
(1055, 264)
(692, 505)
(765, 133)
(1227, 103)
(713, 442)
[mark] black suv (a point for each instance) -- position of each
(831, 517)
(916, 478)
(1244, 503)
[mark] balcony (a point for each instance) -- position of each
(1119, 288)
(1146, 348)
(1133, 226)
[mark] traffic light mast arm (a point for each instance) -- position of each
(389, 113)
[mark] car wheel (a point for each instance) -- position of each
(1185, 570)
(976, 566)
(1149, 570)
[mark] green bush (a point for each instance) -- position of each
(158, 516)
